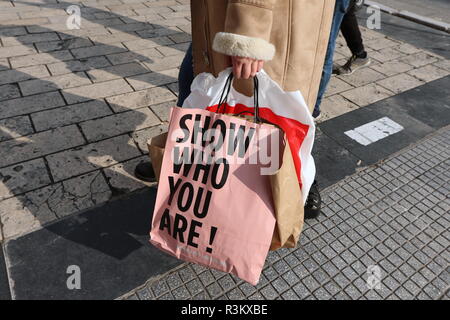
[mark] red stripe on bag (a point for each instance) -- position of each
(295, 131)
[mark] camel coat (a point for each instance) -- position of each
(290, 35)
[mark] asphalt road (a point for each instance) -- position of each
(435, 9)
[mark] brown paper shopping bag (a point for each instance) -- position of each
(156, 147)
(288, 203)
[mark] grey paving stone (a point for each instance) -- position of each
(141, 99)
(263, 281)
(146, 55)
(165, 63)
(181, 293)
(214, 290)
(147, 43)
(70, 114)
(113, 125)
(80, 193)
(84, 64)
(21, 74)
(116, 72)
(235, 294)
(63, 44)
(9, 91)
(301, 290)
(40, 58)
(70, 80)
(174, 280)
(320, 276)
(269, 293)
(119, 36)
(201, 296)
(280, 285)
(24, 213)
(172, 50)
(29, 39)
(23, 177)
(15, 127)
(289, 295)
(97, 50)
(272, 257)
(37, 145)
(206, 278)
(14, 51)
(153, 79)
(20, 106)
(167, 296)
(256, 296)
(194, 287)
(270, 273)
(291, 260)
(4, 64)
(12, 31)
(322, 294)
(162, 110)
(281, 267)
(198, 269)
(403, 294)
(330, 269)
(96, 91)
(91, 157)
(247, 289)
(187, 274)
(332, 288)
(226, 282)
(145, 294)
(159, 288)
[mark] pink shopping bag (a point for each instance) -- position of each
(214, 206)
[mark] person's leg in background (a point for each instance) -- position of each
(185, 77)
(339, 12)
(144, 170)
(352, 34)
(314, 201)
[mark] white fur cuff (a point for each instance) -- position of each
(242, 46)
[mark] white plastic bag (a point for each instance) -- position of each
(286, 109)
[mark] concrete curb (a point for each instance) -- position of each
(439, 25)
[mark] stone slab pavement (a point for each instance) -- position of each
(77, 105)
(384, 234)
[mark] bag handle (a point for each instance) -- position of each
(226, 91)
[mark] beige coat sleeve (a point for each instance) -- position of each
(247, 31)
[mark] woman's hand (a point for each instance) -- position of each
(244, 68)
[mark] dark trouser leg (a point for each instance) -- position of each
(350, 31)
(339, 12)
(185, 77)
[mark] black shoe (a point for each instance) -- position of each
(313, 203)
(144, 171)
(353, 64)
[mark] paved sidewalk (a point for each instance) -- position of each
(76, 106)
(392, 216)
